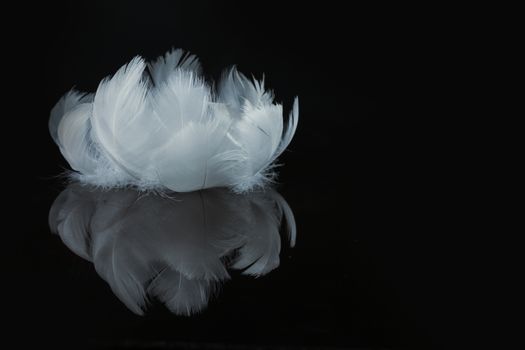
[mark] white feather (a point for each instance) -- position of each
(75, 141)
(69, 101)
(163, 66)
(176, 133)
(196, 153)
(70, 126)
(119, 102)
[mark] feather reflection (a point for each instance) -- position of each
(175, 250)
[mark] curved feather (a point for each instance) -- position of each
(163, 66)
(235, 90)
(66, 103)
(258, 129)
(74, 139)
(118, 102)
(293, 121)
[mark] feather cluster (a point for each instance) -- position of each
(152, 248)
(162, 126)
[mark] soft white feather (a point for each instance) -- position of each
(66, 103)
(75, 140)
(163, 66)
(181, 295)
(235, 90)
(118, 103)
(176, 133)
(196, 153)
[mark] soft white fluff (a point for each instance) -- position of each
(161, 126)
(175, 250)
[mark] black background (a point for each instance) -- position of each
(377, 259)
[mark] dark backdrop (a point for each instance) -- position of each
(375, 264)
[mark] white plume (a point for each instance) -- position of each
(177, 251)
(163, 66)
(69, 101)
(170, 130)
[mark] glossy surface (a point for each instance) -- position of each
(171, 248)
(382, 258)
(351, 278)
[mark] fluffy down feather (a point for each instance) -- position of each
(162, 126)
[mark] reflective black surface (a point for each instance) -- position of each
(172, 248)
(385, 252)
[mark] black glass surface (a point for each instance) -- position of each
(175, 249)
(354, 248)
